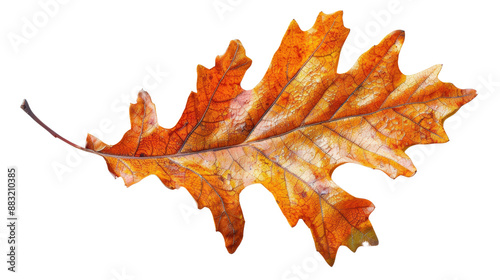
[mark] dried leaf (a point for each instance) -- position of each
(290, 132)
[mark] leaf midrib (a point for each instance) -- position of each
(249, 143)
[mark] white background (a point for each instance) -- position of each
(82, 67)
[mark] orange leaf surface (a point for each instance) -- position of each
(290, 132)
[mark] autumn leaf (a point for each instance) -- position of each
(289, 133)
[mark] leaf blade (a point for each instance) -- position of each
(289, 133)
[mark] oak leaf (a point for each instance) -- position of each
(290, 132)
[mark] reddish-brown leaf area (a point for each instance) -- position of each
(290, 132)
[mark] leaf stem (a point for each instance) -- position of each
(26, 108)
